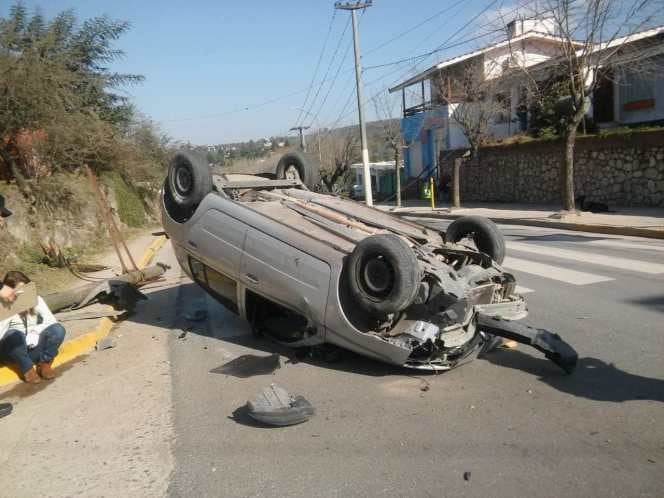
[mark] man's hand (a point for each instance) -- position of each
(7, 295)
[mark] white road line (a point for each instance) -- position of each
(585, 257)
(625, 245)
(554, 272)
(523, 290)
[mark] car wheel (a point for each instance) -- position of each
(189, 181)
(383, 274)
(483, 231)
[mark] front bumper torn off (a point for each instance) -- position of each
(549, 343)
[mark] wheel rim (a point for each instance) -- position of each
(291, 172)
(377, 277)
(184, 181)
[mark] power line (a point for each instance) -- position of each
(413, 28)
(427, 54)
(327, 72)
(320, 58)
(438, 49)
(335, 77)
(329, 90)
(458, 31)
(249, 107)
(444, 46)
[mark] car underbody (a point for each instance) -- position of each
(329, 270)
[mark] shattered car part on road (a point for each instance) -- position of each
(275, 406)
(308, 269)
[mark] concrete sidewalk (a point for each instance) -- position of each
(638, 222)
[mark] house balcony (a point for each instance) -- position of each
(423, 107)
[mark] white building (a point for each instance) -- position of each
(626, 96)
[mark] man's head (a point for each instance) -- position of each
(15, 278)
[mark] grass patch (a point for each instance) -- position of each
(130, 208)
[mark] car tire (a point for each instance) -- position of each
(484, 232)
(188, 182)
(383, 274)
(296, 166)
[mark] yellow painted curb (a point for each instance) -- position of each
(151, 251)
(86, 342)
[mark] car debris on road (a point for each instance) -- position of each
(275, 406)
(308, 269)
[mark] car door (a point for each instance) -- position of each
(285, 274)
(215, 245)
(218, 239)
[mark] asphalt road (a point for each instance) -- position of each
(513, 423)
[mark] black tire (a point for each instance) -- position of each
(383, 274)
(306, 168)
(188, 182)
(484, 232)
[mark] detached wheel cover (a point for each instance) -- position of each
(383, 274)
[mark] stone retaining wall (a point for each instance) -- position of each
(621, 170)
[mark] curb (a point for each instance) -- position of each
(82, 344)
(576, 227)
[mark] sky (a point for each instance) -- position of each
(225, 71)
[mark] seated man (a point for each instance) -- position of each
(29, 338)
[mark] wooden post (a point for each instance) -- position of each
(456, 197)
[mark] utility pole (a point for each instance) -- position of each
(320, 156)
(303, 144)
(353, 7)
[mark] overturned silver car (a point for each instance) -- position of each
(310, 269)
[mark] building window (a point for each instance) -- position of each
(637, 91)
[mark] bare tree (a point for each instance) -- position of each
(594, 34)
(385, 110)
(339, 151)
(474, 103)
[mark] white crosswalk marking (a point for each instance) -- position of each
(584, 257)
(520, 289)
(554, 272)
(619, 244)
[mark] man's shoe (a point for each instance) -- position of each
(45, 371)
(31, 376)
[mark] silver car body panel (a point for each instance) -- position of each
(296, 260)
